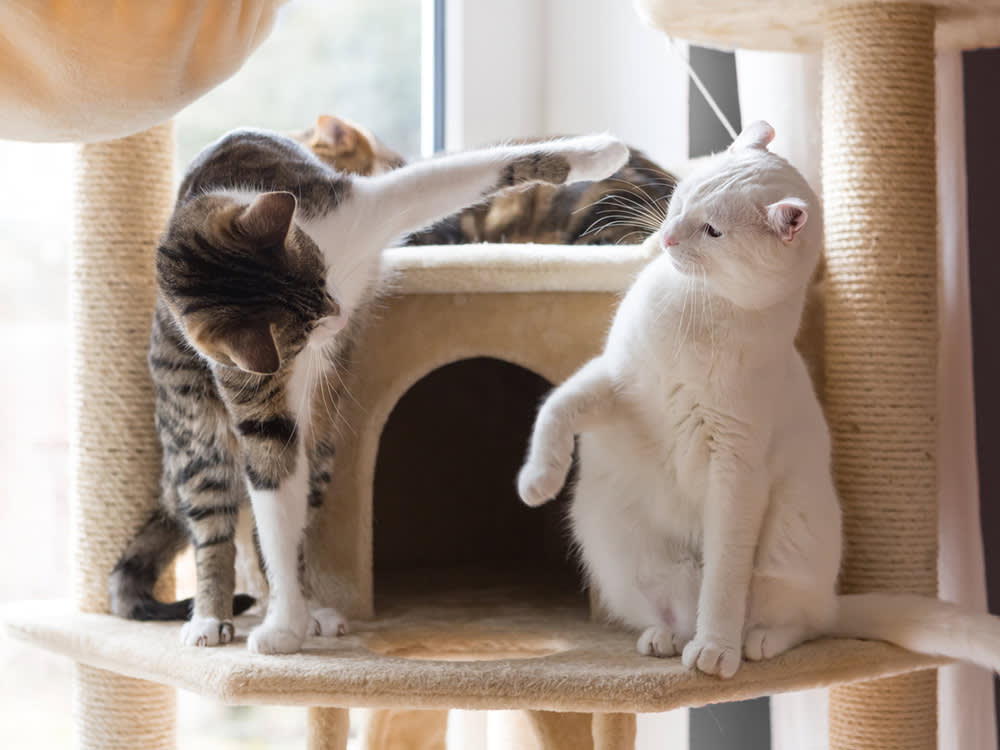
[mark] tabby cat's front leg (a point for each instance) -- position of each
(209, 503)
(419, 194)
(279, 496)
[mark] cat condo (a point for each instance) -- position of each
(461, 597)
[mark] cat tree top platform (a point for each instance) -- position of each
(798, 25)
(472, 650)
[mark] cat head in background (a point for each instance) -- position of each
(245, 284)
(348, 147)
(746, 222)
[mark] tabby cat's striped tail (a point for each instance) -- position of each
(147, 555)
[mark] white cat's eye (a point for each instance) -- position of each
(712, 231)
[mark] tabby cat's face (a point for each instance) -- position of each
(245, 284)
(348, 147)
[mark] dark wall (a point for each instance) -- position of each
(982, 144)
(743, 725)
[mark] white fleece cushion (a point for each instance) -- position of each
(86, 71)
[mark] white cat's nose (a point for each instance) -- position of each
(669, 240)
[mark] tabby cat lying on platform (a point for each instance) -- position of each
(625, 207)
(266, 273)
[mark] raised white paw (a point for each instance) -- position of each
(766, 643)
(270, 639)
(327, 622)
(206, 631)
(659, 642)
(712, 656)
(594, 157)
(538, 482)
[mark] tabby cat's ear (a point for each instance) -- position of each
(268, 219)
(787, 217)
(251, 348)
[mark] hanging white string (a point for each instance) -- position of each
(672, 43)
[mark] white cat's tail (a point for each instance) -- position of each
(921, 624)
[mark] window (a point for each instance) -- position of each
(352, 58)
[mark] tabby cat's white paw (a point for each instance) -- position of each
(268, 639)
(328, 622)
(206, 631)
(712, 656)
(539, 482)
(594, 157)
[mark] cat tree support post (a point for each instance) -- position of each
(879, 185)
(124, 194)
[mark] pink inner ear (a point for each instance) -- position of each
(787, 218)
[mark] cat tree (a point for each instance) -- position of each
(457, 623)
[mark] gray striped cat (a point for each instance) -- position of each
(266, 274)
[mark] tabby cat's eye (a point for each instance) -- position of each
(712, 231)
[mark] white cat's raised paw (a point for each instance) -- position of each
(538, 482)
(207, 631)
(659, 642)
(328, 622)
(712, 657)
(594, 157)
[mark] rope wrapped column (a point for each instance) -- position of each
(879, 183)
(124, 194)
(328, 728)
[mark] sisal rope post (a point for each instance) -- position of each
(328, 728)
(556, 730)
(879, 181)
(613, 731)
(124, 194)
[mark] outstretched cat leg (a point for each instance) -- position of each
(419, 194)
(584, 400)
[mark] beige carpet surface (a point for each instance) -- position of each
(464, 651)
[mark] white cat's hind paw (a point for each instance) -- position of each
(268, 639)
(538, 482)
(594, 157)
(712, 657)
(659, 642)
(766, 643)
(207, 631)
(328, 622)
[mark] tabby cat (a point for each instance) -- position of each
(266, 274)
(625, 207)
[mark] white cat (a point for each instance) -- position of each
(705, 510)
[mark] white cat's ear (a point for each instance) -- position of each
(787, 217)
(755, 135)
(268, 218)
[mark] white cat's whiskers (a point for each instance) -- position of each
(709, 309)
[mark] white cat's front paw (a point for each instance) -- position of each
(594, 157)
(328, 622)
(538, 482)
(206, 631)
(272, 639)
(659, 642)
(712, 656)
